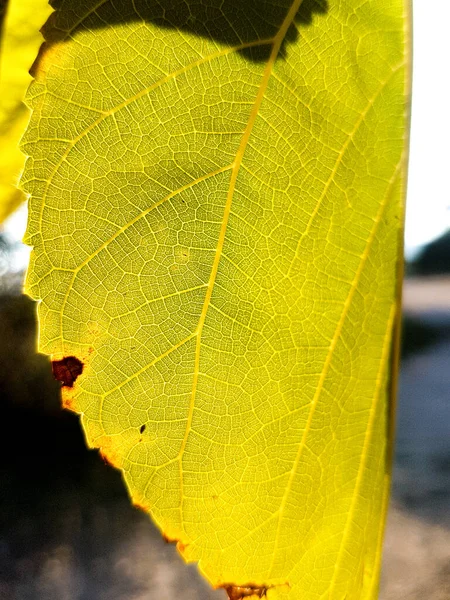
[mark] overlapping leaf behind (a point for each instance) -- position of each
(216, 202)
(20, 40)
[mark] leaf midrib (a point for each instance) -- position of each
(276, 45)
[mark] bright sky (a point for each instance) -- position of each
(428, 198)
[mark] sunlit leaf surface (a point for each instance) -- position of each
(215, 215)
(20, 40)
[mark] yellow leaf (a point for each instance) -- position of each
(19, 43)
(216, 211)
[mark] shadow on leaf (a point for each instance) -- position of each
(229, 22)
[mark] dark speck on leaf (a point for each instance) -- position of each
(142, 428)
(67, 370)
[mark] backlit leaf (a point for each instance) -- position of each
(216, 208)
(20, 42)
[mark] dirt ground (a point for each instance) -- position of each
(416, 562)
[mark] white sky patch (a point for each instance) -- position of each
(428, 197)
(14, 229)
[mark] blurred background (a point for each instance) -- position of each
(67, 528)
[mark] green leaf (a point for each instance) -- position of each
(20, 41)
(216, 208)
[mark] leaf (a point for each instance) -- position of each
(216, 208)
(19, 43)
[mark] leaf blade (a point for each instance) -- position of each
(236, 342)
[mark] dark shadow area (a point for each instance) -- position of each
(434, 259)
(418, 334)
(229, 22)
(26, 382)
(3, 4)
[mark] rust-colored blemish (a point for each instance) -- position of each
(140, 506)
(67, 370)
(105, 459)
(68, 399)
(181, 547)
(238, 592)
(108, 452)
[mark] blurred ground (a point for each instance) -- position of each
(416, 562)
(68, 531)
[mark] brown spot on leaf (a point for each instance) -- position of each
(108, 451)
(106, 459)
(67, 370)
(140, 506)
(238, 592)
(68, 400)
(181, 547)
(142, 428)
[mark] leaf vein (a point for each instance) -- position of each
(329, 356)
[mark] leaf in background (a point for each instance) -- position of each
(20, 41)
(217, 203)
(3, 4)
